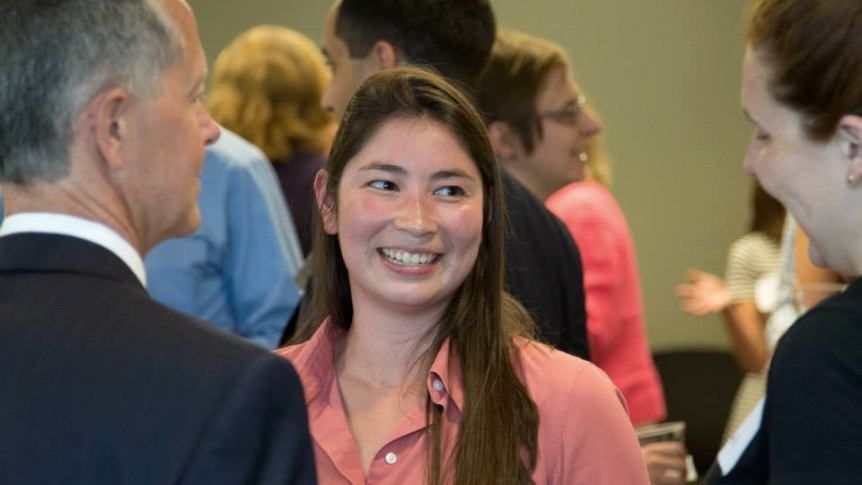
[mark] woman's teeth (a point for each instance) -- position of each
(403, 257)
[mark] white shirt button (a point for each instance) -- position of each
(391, 458)
(438, 384)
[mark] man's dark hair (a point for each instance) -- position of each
(452, 36)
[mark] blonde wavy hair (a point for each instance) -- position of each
(266, 87)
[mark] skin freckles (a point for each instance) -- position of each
(408, 217)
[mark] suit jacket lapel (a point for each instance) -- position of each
(40, 252)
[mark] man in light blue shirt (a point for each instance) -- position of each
(237, 270)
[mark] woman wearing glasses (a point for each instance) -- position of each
(542, 133)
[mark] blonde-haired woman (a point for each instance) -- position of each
(266, 87)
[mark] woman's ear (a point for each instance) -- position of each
(850, 138)
(325, 202)
(504, 140)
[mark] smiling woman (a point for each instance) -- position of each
(802, 88)
(409, 221)
(536, 113)
(417, 366)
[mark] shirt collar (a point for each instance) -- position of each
(66, 225)
(446, 370)
(318, 359)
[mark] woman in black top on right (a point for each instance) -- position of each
(802, 89)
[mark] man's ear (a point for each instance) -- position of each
(850, 138)
(384, 55)
(108, 124)
(325, 202)
(504, 140)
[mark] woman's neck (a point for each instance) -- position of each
(384, 349)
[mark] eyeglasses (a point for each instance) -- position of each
(569, 114)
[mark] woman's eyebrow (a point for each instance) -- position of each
(384, 167)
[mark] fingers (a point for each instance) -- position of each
(703, 294)
(671, 450)
(694, 274)
(667, 477)
(685, 290)
(665, 463)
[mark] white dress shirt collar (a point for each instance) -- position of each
(66, 225)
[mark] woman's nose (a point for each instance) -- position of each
(417, 216)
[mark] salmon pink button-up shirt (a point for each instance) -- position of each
(585, 436)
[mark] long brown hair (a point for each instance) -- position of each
(499, 425)
(814, 51)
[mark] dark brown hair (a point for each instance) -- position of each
(515, 73)
(499, 425)
(814, 51)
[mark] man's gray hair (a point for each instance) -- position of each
(56, 56)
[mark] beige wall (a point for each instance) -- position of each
(665, 77)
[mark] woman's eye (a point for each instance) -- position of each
(450, 191)
(382, 185)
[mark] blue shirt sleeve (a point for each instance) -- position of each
(263, 256)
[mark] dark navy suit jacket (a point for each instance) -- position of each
(101, 385)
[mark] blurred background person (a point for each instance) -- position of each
(769, 282)
(266, 87)
(802, 90)
(665, 460)
(745, 299)
(238, 270)
(542, 133)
